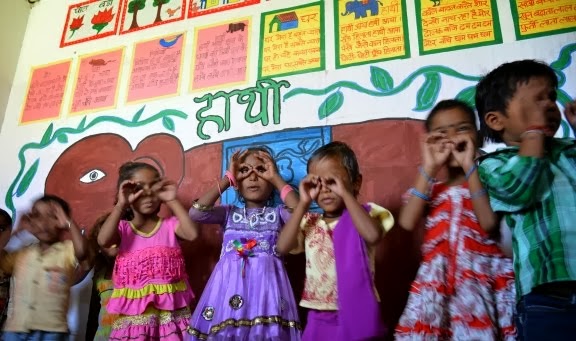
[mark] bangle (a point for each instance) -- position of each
(202, 208)
(477, 194)
(285, 190)
(68, 224)
(533, 131)
(470, 171)
(219, 188)
(428, 178)
(231, 178)
(419, 194)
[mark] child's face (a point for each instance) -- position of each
(329, 201)
(533, 104)
(5, 230)
(254, 188)
(148, 203)
(454, 122)
(43, 223)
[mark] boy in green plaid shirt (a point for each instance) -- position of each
(532, 185)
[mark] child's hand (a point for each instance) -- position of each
(269, 170)
(309, 189)
(62, 219)
(335, 184)
(128, 193)
(464, 151)
(570, 113)
(435, 152)
(239, 170)
(166, 190)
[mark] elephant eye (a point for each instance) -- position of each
(92, 176)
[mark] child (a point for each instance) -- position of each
(151, 289)
(248, 295)
(532, 184)
(5, 233)
(99, 320)
(43, 273)
(464, 288)
(339, 244)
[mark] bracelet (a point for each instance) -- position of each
(428, 178)
(477, 194)
(202, 208)
(219, 188)
(231, 178)
(68, 224)
(533, 131)
(285, 190)
(470, 171)
(419, 194)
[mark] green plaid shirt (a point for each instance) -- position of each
(537, 197)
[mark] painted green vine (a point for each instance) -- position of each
(25, 175)
(427, 95)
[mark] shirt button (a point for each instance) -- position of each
(35, 281)
(31, 307)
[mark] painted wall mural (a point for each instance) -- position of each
(197, 79)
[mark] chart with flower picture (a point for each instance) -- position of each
(90, 20)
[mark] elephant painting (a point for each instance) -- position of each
(361, 7)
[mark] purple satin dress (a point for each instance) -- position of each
(248, 295)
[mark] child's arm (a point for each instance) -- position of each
(570, 114)
(78, 241)
(166, 191)
(270, 174)
(435, 151)
(288, 239)
(109, 234)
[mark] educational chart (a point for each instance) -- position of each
(90, 20)
(445, 25)
(292, 41)
(45, 92)
(96, 84)
(535, 18)
(156, 69)
(369, 31)
(140, 14)
(202, 7)
(221, 55)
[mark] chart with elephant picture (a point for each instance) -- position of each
(181, 84)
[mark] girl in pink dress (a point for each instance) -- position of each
(151, 290)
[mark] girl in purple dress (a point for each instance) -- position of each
(248, 296)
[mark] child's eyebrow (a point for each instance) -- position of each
(453, 125)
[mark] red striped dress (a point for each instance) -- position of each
(464, 288)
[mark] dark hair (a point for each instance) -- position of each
(342, 151)
(99, 261)
(449, 104)
(49, 198)
(498, 87)
(126, 172)
(5, 217)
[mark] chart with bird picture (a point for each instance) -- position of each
(141, 14)
(90, 20)
(203, 7)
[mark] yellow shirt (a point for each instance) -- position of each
(320, 290)
(41, 292)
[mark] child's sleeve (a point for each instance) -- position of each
(7, 261)
(70, 255)
(383, 215)
(216, 215)
(511, 182)
(305, 224)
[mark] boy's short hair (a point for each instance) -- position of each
(497, 88)
(53, 199)
(5, 218)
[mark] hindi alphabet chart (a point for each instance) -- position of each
(45, 92)
(156, 69)
(445, 25)
(292, 41)
(535, 18)
(96, 84)
(221, 54)
(90, 20)
(369, 31)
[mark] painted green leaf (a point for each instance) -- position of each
(381, 79)
(468, 96)
(565, 129)
(47, 134)
(82, 123)
(428, 92)
(331, 104)
(563, 97)
(137, 115)
(563, 61)
(62, 138)
(27, 178)
(168, 123)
